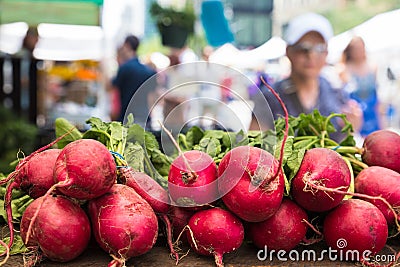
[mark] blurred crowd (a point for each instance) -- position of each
(191, 90)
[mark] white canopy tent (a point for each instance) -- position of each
(226, 54)
(69, 42)
(11, 36)
(56, 41)
(271, 49)
(229, 55)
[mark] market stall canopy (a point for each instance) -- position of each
(11, 36)
(33, 12)
(379, 34)
(226, 54)
(271, 49)
(69, 42)
(229, 55)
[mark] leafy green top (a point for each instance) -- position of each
(130, 143)
(140, 149)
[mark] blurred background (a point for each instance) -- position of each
(57, 57)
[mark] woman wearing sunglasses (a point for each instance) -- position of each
(305, 89)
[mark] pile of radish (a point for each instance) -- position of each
(83, 200)
(88, 189)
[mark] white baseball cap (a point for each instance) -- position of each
(305, 23)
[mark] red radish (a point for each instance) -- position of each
(37, 175)
(248, 184)
(24, 224)
(61, 228)
(85, 169)
(123, 223)
(383, 182)
(154, 194)
(16, 179)
(251, 180)
(14, 175)
(34, 175)
(382, 148)
(325, 168)
(147, 188)
(192, 179)
(356, 225)
(214, 232)
(283, 231)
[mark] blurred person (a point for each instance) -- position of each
(360, 82)
(305, 90)
(28, 62)
(130, 76)
(115, 98)
(30, 40)
(122, 55)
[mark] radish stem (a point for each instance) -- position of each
(286, 133)
(192, 172)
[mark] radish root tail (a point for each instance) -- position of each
(7, 252)
(307, 241)
(174, 253)
(218, 259)
(312, 185)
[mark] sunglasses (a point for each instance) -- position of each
(306, 48)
